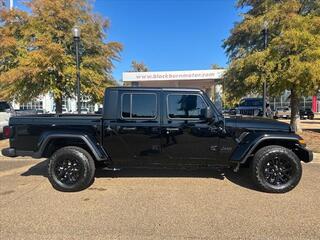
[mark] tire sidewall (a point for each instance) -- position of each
(83, 159)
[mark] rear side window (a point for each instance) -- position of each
(185, 106)
(139, 106)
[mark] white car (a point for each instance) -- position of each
(5, 113)
(4, 120)
(283, 112)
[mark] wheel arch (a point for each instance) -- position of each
(245, 152)
(49, 143)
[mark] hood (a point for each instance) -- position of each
(258, 124)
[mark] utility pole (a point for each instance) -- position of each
(265, 34)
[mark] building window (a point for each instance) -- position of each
(139, 106)
(185, 106)
(38, 105)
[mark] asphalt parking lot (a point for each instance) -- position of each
(145, 204)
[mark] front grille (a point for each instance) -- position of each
(249, 112)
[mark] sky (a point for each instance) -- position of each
(169, 34)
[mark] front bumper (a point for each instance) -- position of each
(310, 156)
(304, 154)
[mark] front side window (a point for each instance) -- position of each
(186, 106)
(139, 106)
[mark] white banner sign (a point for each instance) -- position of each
(173, 75)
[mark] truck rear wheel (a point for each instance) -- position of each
(71, 169)
(276, 169)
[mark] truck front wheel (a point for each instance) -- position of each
(276, 169)
(71, 169)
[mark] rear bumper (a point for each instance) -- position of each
(9, 152)
(12, 152)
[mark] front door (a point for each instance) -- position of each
(187, 137)
(134, 138)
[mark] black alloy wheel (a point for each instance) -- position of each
(278, 171)
(68, 170)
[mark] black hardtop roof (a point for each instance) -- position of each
(155, 89)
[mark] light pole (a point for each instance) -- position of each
(11, 4)
(76, 38)
(265, 34)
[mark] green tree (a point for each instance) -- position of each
(37, 51)
(138, 67)
(292, 58)
(216, 66)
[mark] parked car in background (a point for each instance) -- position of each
(228, 112)
(99, 111)
(306, 114)
(252, 107)
(6, 111)
(282, 112)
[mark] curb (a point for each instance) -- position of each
(316, 158)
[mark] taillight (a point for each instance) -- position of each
(7, 132)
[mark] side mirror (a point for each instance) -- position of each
(209, 113)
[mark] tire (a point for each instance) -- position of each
(276, 169)
(71, 169)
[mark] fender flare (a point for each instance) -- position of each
(98, 152)
(245, 149)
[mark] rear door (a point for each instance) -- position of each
(134, 137)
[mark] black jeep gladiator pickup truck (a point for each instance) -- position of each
(158, 127)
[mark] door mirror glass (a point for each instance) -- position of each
(209, 113)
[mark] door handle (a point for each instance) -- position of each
(173, 129)
(129, 128)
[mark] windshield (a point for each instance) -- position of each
(251, 103)
(4, 106)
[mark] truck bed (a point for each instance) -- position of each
(31, 129)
